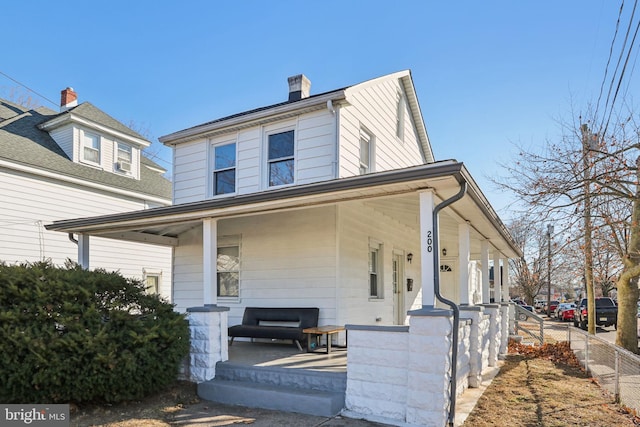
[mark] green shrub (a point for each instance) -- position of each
(72, 335)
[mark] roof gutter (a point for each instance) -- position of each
(456, 311)
(249, 119)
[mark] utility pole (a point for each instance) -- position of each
(549, 233)
(587, 141)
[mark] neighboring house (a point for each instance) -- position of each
(316, 201)
(78, 162)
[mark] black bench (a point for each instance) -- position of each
(284, 323)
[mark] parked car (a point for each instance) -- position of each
(565, 311)
(606, 313)
(551, 309)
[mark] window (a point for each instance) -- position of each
(375, 276)
(400, 116)
(281, 159)
(124, 153)
(224, 169)
(124, 157)
(152, 283)
(365, 152)
(228, 268)
(91, 148)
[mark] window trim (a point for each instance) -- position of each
(366, 136)
(117, 150)
(268, 161)
(83, 139)
(376, 246)
(212, 168)
(146, 273)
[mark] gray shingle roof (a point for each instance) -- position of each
(22, 142)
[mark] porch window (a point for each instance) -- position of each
(281, 158)
(152, 283)
(228, 268)
(224, 169)
(366, 152)
(90, 148)
(375, 276)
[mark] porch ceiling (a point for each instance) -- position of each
(394, 192)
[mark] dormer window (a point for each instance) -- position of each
(124, 157)
(91, 148)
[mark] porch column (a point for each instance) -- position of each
(505, 281)
(484, 258)
(428, 257)
(83, 251)
(210, 261)
(497, 283)
(464, 254)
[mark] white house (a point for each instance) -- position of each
(78, 162)
(334, 201)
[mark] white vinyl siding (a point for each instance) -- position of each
(30, 202)
(63, 136)
(315, 157)
(190, 172)
(375, 107)
(357, 222)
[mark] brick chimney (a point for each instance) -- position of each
(68, 99)
(299, 87)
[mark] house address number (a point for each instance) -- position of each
(429, 241)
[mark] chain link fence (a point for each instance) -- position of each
(616, 369)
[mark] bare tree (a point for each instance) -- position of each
(588, 184)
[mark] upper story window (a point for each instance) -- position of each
(124, 157)
(366, 152)
(281, 163)
(224, 169)
(90, 148)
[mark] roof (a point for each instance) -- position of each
(22, 142)
(310, 103)
(163, 225)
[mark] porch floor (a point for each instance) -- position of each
(287, 355)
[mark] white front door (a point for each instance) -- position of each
(399, 311)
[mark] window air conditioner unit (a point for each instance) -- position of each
(124, 166)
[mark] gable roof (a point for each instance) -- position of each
(311, 103)
(24, 143)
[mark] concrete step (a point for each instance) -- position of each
(285, 377)
(284, 389)
(276, 397)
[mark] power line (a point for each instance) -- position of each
(622, 72)
(28, 88)
(606, 69)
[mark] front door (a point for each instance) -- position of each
(399, 311)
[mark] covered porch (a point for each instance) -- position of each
(311, 245)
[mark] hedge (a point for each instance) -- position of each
(73, 335)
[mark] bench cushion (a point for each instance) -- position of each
(251, 327)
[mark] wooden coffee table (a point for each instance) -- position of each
(319, 331)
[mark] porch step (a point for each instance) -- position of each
(284, 389)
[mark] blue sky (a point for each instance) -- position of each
(488, 73)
